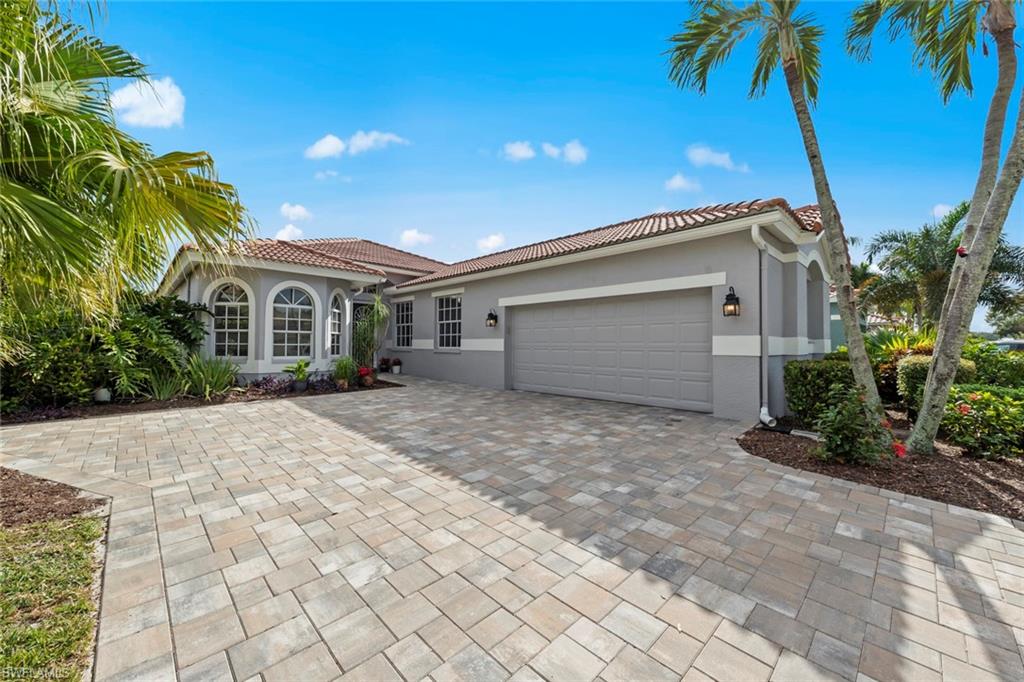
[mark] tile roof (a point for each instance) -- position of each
(808, 217)
(365, 251)
(281, 251)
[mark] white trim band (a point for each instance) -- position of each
(796, 345)
(645, 287)
(422, 344)
(747, 345)
(449, 292)
(483, 344)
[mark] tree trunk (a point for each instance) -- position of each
(835, 242)
(992, 200)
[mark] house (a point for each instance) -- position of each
(696, 309)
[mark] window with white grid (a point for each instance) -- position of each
(449, 322)
(403, 324)
(293, 324)
(337, 323)
(231, 322)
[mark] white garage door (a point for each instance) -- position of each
(651, 349)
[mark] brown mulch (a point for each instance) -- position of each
(27, 499)
(995, 486)
(41, 414)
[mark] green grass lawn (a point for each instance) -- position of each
(46, 605)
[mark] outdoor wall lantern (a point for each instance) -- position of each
(731, 307)
(492, 318)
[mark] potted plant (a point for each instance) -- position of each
(300, 374)
(366, 377)
(384, 365)
(345, 371)
(396, 365)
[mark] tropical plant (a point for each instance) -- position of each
(299, 370)
(849, 433)
(984, 423)
(916, 267)
(165, 384)
(791, 40)
(345, 369)
(995, 367)
(183, 320)
(945, 33)
(209, 377)
(86, 211)
(370, 331)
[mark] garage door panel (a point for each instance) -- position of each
(651, 349)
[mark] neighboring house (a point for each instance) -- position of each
(631, 312)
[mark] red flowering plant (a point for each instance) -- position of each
(365, 371)
(850, 434)
(984, 424)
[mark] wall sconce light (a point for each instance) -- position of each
(492, 318)
(731, 307)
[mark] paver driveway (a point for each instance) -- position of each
(462, 533)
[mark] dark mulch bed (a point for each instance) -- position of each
(27, 499)
(995, 486)
(250, 394)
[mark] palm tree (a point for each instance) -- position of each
(944, 33)
(921, 263)
(86, 211)
(792, 40)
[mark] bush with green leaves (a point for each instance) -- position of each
(995, 367)
(912, 372)
(983, 423)
(210, 377)
(165, 384)
(809, 381)
(299, 370)
(998, 391)
(345, 369)
(848, 433)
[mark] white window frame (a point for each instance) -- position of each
(288, 308)
(232, 311)
(336, 323)
(448, 331)
(207, 298)
(403, 324)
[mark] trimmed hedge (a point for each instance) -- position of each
(912, 372)
(808, 384)
(983, 422)
(996, 367)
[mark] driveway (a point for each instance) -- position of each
(469, 534)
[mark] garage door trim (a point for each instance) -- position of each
(650, 286)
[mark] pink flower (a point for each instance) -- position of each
(972, 397)
(961, 251)
(899, 449)
(964, 408)
(886, 424)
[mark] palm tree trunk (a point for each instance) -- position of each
(981, 237)
(835, 241)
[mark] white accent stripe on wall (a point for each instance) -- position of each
(423, 344)
(448, 292)
(795, 345)
(748, 345)
(627, 289)
(483, 344)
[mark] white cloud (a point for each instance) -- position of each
(681, 183)
(491, 242)
(287, 232)
(701, 155)
(414, 237)
(157, 104)
(573, 152)
(375, 139)
(325, 175)
(326, 147)
(295, 212)
(519, 151)
(940, 210)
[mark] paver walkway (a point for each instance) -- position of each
(458, 533)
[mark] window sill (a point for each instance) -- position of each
(455, 351)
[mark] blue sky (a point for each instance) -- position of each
(439, 91)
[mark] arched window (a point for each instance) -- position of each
(231, 322)
(293, 324)
(337, 324)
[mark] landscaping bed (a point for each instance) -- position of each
(989, 485)
(50, 561)
(264, 390)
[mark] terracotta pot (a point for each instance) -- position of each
(342, 384)
(368, 380)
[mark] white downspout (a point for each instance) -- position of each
(762, 246)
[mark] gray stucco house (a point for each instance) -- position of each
(632, 312)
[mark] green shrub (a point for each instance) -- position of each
(998, 391)
(912, 372)
(345, 369)
(995, 367)
(809, 381)
(983, 423)
(165, 384)
(209, 377)
(848, 433)
(841, 354)
(299, 370)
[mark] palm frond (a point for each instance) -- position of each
(707, 39)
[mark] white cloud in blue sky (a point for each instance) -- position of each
(328, 146)
(332, 146)
(573, 152)
(288, 232)
(156, 104)
(939, 211)
(491, 242)
(414, 237)
(701, 155)
(295, 212)
(681, 183)
(518, 151)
